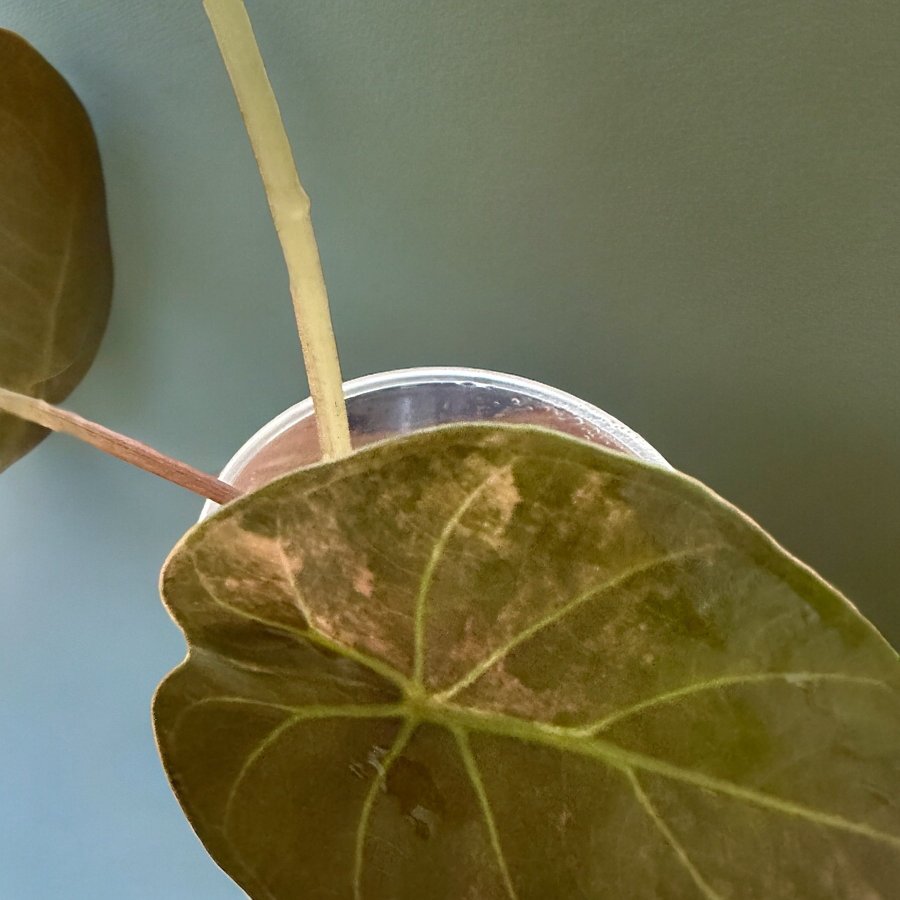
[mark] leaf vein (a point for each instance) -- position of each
(437, 553)
(27, 285)
(299, 599)
(469, 761)
(757, 798)
(670, 838)
(310, 634)
(310, 713)
(59, 289)
(791, 678)
(571, 740)
(561, 612)
(313, 711)
(369, 802)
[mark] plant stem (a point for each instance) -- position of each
(118, 445)
(290, 207)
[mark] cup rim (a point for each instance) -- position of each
(443, 375)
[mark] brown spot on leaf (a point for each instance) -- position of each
(364, 582)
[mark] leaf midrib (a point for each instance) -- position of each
(573, 740)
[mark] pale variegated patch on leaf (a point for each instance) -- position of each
(494, 662)
(55, 259)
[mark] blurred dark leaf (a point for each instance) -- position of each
(55, 260)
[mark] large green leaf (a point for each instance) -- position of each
(55, 262)
(488, 662)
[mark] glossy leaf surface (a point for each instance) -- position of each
(495, 662)
(55, 261)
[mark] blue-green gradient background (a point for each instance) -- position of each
(684, 212)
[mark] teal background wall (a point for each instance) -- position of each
(685, 212)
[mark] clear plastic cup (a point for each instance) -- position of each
(405, 400)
